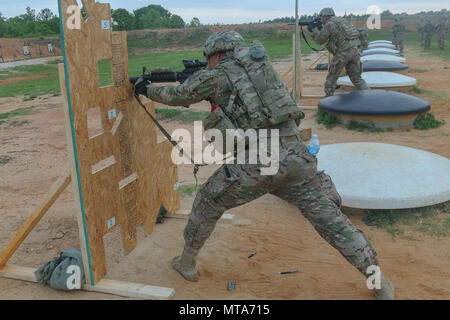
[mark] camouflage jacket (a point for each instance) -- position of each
(340, 34)
(210, 85)
(442, 28)
(399, 28)
(428, 27)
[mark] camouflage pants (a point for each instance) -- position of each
(299, 183)
(350, 60)
(428, 37)
(398, 42)
(442, 41)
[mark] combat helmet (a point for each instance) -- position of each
(222, 41)
(326, 12)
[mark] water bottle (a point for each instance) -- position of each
(314, 144)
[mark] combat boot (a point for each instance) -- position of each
(185, 265)
(386, 292)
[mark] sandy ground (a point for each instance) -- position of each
(34, 156)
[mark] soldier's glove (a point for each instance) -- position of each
(310, 27)
(141, 86)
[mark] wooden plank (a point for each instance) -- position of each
(312, 96)
(298, 70)
(132, 290)
(75, 186)
(226, 217)
(120, 288)
(58, 187)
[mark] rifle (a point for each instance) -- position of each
(167, 75)
(311, 24)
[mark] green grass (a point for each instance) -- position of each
(327, 119)
(187, 190)
(410, 223)
(18, 123)
(363, 126)
(427, 121)
(17, 112)
(181, 115)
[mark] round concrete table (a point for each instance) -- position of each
(383, 57)
(381, 46)
(382, 65)
(380, 42)
(381, 80)
(386, 176)
(380, 51)
(384, 108)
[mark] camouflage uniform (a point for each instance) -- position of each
(442, 31)
(297, 180)
(343, 42)
(398, 30)
(428, 33)
(420, 28)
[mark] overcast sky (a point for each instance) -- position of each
(241, 11)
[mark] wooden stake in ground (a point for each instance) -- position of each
(59, 186)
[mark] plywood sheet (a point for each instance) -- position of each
(122, 173)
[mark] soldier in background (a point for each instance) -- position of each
(428, 31)
(398, 30)
(245, 92)
(442, 31)
(420, 28)
(343, 41)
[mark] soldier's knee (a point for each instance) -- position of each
(329, 189)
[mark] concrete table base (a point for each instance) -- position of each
(386, 176)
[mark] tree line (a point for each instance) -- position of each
(384, 15)
(44, 23)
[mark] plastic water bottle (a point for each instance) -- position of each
(314, 144)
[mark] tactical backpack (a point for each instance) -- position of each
(259, 98)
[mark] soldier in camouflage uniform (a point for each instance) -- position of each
(398, 30)
(428, 29)
(442, 31)
(245, 91)
(420, 28)
(343, 42)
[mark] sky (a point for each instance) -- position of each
(240, 11)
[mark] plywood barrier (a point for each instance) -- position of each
(121, 175)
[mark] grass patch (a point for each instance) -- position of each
(431, 221)
(17, 112)
(363, 126)
(427, 121)
(327, 119)
(181, 115)
(18, 123)
(188, 190)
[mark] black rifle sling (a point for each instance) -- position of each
(169, 137)
(314, 49)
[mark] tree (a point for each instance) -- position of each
(123, 19)
(45, 15)
(159, 15)
(176, 22)
(195, 22)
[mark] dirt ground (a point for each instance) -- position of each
(34, 156)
